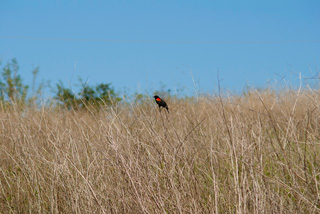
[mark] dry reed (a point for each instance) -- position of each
(257, 153)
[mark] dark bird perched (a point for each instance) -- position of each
(161, 102)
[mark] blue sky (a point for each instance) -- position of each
(142, 45)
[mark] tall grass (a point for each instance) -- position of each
(256, 153)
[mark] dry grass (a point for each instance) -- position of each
(257, 153)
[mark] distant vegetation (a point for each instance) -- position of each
(14, 91)
(12, 88)
(93, 96)
(258, 152)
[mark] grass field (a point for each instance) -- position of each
(255, 153)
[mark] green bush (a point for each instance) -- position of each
(89, 96)
(12, 89)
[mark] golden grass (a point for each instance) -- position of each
(257, 153)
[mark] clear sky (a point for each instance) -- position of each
(140, 45)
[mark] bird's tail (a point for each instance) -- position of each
(167, 109)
